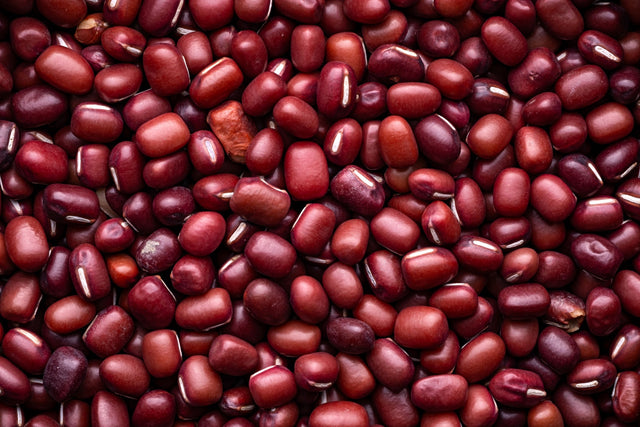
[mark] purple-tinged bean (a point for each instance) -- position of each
(395, 63)
(155, 408)
(64, 372)
(14, 383)
(557, 349)
(592, 376)
(358, 190)
(576, 409)
(158, 251)
(523, 300)
(561, 18)
(517, 388)
(42, 163)
(625, 398)
(71, 204)
(596, 255)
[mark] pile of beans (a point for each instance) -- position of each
(319, 213)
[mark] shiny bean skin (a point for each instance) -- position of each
(109, 331)
(65, 70)
(626, 404)
(440, 393)
(26, 243)
(163, 76)
(330, 413)
(517, 388)
(125, 374)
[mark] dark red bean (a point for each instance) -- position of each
(440, 393)
(503, 39)
(478, 254)
(538, 71)
(64, 372)
(206, 311)
(26, 243)
(330, 413)
(576, 409)
(517, 388)
(69, 314)
(262, 382)
(591, 77)
(523, 300)
(151, 303)
(626, 404)
(165, 69)
(603, 311)
(407, 332)
(349, 335)
(125, 374)
(109, 331)
(71, 204)
(557, 349)
(596, 255)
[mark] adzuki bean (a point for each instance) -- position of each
(320, 212)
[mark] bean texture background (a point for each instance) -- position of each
(319, 213)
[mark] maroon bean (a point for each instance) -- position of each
(155, 408)
(580, 173)
(440, 224)
(26, 349)
(428, 267)
(270, 254)
(488, 96)
(15, 384)
(597, 214)
(64, 372)
(29, 37)
(440, 393)
(489, 136)
(162, 135)
(557, 349)
(480, 357)
(395, 63)
(231, 355)
(305, 289)
(316, 371)
(453, 79)
(591, 376)
(330, 413)
(349, 335)
(596, 255)
(263, 381)
(267, 302)
(71, 204)
(40, 162)
(626, 404)
(480, 407)
(552, 198)
(69, 314)
(542, 110)
(151, 303)
(517, 388)
(109, 331)
(350, 240)
(206, 311)
(455, 300)
(511, 192)
(523, 300)
(603, 311)
(165, 69)
(394, 230)
(125, 375)
(358, 190)
(503, 39)
(437, 139)
(538, 71)
(199, 384)
(519, 336)
(192, 275)
(342, 285)
(561, 18)
(587, 76)
(214, 83)
(107, 409)
(65, 70)
(294, 338)
(26, 243)
(478, 254)
(609, 122)
(343, 140)
(355, 380)
(408, 333)
(576, 409)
